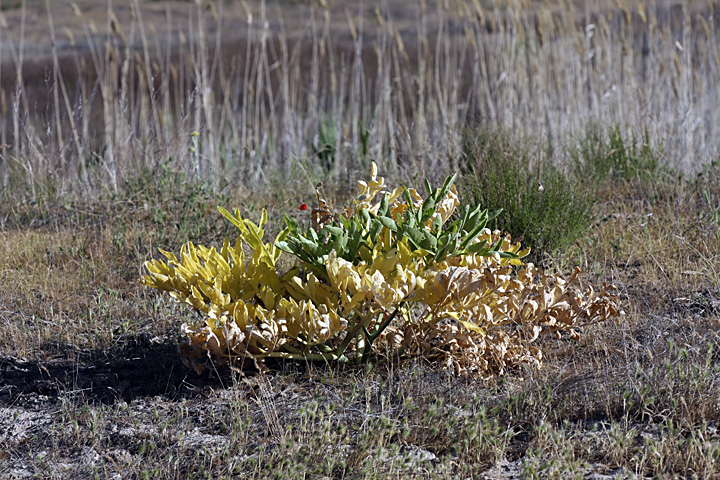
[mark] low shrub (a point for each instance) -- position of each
(394, 275)
(540, 203)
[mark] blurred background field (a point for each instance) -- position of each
(307, 89)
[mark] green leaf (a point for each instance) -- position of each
(446, 187)
(411, 205)
(365, 215)
(345, 222)
(475, 217)
(422, 239)
(313, 235)
(478, 247)
(428, 208)
(388, 223)
(463, 219)
(295, 249)
(384, 206)
(409, 219)
(340, 244)
(292, 224)
(437, 223)
(454, 226)
(332, 230)
(313, 248)
(415, 236)
(374, 230)
(285, 247)
(494, 214)
(495, 248)
(353, 227)
(473, 234)
(448, 245)
(353, 247)
(430, 241)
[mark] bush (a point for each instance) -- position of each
(540, 204)
(605, 156)
(389, 276)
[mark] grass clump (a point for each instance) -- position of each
(175, 204)
(605, 154)
(539, 202)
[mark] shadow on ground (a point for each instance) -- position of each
(136, 367)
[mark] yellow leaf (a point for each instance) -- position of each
(472, 327)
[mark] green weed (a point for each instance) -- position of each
(539, 202)
(604, 153)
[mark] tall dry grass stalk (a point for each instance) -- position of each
(395, 83)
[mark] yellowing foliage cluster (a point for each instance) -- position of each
(388, 277)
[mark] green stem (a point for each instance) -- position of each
(340, 350)
(346, 341)
(381, 328)
(371, 337)
(367, 347)
(325, 348)
(362, 345)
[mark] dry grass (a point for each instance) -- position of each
(91, 385)
(267, 85)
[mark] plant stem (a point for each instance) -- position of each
(340, 350)
(386, 323)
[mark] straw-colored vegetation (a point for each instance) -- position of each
(123, 125)
(389, 273)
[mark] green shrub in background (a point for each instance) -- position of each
(540, 203)
(324, 145)
(605, 155)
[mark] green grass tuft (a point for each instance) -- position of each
(604, 154)
(539, 202)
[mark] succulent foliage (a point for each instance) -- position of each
(394, 275)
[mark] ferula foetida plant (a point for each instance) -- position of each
(395, 275)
